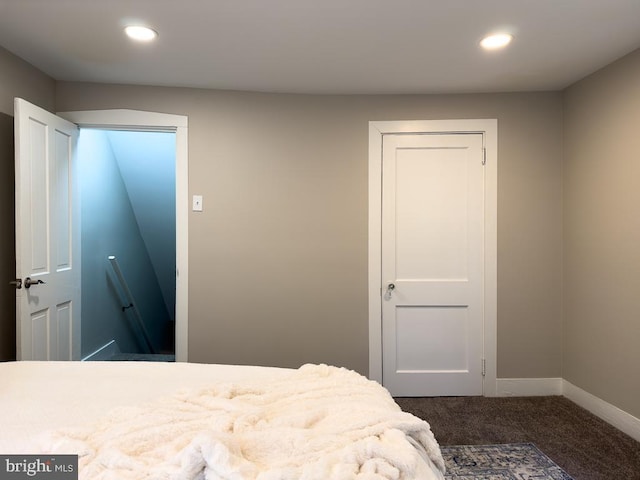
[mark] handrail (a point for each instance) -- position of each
(132, 303)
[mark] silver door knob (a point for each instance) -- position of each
(390, 288)
(28, 282)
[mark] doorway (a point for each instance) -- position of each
(128, 236)
(48, 257)
(135, 120)
(432, 331)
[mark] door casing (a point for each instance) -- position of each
(489, 129)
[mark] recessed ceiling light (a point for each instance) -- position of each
(140, 33)
(493, 42)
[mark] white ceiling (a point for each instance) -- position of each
(323, 46)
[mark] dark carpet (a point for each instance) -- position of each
(583, 445)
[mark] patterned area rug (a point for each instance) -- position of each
(514, 461)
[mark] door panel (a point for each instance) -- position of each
(63, 201)
(432, 254)
(431, 239)
(36, 181)
(39, 336)
(420, 347)
(64, 334)
(47, 236)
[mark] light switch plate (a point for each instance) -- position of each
(197, 203)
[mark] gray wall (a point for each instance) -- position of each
(602, 234)
(17, 79)
(20, 79)
(278, 259)
(110, 227)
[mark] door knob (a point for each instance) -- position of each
(28, 282)
(390, 288)
(16, 283)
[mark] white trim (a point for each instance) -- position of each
(528, 387)
(375, 252)
(123, 119)
(105, 352)
(489, 128)
(609, 413)
(523, 387)
(153, 121)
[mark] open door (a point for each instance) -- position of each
(47, 236)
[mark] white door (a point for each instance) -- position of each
(47, 236)
(432, 264)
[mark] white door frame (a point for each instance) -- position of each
(489, 129)
(136, 120)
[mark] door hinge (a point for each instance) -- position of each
(484, 156)
(484, 367)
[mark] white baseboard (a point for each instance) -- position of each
(528, 387)
(105, 352)
(609, 413)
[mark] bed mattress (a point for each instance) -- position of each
(39, 397)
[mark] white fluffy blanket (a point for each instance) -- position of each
(321, 423)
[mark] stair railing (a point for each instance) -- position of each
(131, 302)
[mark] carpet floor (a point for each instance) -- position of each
(586, 447)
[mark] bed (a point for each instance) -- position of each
(134, 420)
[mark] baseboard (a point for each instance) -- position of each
(528, 387)
(105, 352)
(609, 413)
